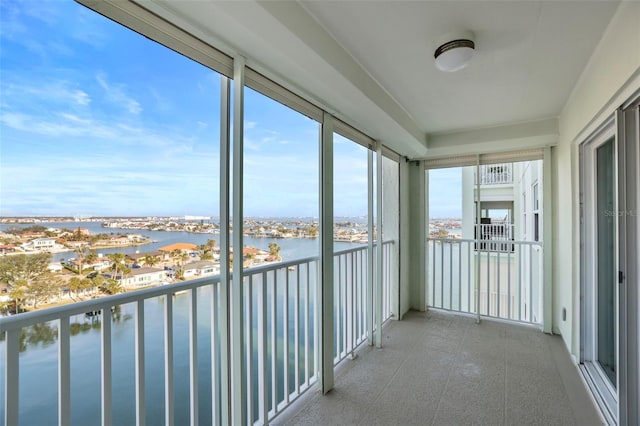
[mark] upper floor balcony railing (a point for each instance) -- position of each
(496, 174)
(493, 279)
(154, 356)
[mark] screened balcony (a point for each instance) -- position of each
(356, 336)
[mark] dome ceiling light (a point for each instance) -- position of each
(455, 53)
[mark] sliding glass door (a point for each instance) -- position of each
(599, 268)
(605, 262)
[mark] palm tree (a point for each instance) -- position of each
(81, 251)
(118, 263)
(97, 281)
(75, 284)
(150, 260)
(113, 286)
(91, 257)
(274, 250)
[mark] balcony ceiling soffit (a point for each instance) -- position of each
(371, 62)
(257, 32)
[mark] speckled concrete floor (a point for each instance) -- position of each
(443, 369)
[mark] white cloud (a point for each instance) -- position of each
(116, 94)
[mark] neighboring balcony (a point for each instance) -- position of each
(496, 174)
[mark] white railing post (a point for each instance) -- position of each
(139, 360)
(168, 361)
(105, 357)
(11, 378)
(193, 356)
(64, 372)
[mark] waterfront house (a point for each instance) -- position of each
(388, 336)
(139, 277)
(139, 258)
(40, 244)
(183, 247)
(201, 268)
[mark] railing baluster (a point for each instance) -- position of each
(274, 344)
(249, 347)
(193, 356)
(350, 326)
(285, 338)
(262, 352)
(215, 355)
(498, 282)
(11, 378)
(433, 279)
(509, 314)
(530, 319)
(168, 360)
(296, 335)
(520, 301)
(469, 309)
(451, 275)
(139, 360)
(488, 282)
(344, 309)
(460, 276)
(442, 275)
(307, 331)
(105, 357)
(64, 372)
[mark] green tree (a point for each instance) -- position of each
(274, 250)
(207, 255)
(82, 252)
(75, 285)
(18, 293)
(23, 267)
(42, 289)
(97, 281)
(150, 260)
(118, 263)
(28, 278)
(92, 257)
(113, 286)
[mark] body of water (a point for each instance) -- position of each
(291, 248)
(39, 351)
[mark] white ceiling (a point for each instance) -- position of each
(371, 62)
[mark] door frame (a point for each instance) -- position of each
(604, 392)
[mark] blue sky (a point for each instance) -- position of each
(97, 120)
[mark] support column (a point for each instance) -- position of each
(547, 242)
(238, 397)
(417, 235)
(325, 281)
(222, 323)
(370, 254)
(478, 235)
(379, 252)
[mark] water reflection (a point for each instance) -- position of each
(45, 334)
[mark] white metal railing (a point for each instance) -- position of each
(281, 323)
(496, 174)
(496, 231)
(350, 297)
(281, 350)
(494, 279)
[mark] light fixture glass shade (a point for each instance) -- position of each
(454, 55)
